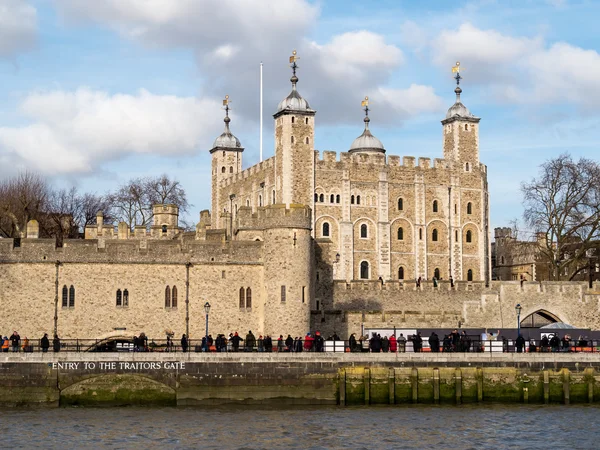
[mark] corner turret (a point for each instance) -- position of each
(294, 147)
(461, 131)
(226, 162)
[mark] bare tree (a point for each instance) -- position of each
(132, 203)
(22, 198)
(163, 190)
(563, 206)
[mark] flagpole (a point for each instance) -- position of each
(261, 112)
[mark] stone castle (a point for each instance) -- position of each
(295, 243)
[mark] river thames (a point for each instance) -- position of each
(412, 427)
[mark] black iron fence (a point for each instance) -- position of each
(474, 345)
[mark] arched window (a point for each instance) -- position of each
(292, 139)
(242, 298)
(401, 273)
(467, 167)
(72, 297)
(293, 119)
(470, 275)
(65, 296)
(400, 204)
(325, 229)
(466, 127)
(337, 198)
(260, 200)
(316, 197)
(247, 202)
(167, 297)
(456, 235)
(174, 297)
(223, 169)
(436, 273)
(358, 199)
(364, 270)
(306, 121)
(352, 199)
(331, 198)
(363, 230)
(248, 298)
(307, 140)
(321, 198)
(435, 206)
(469, 236)
(119, 298)
(469, 208)
(400, 234)
(164, 229)
(126, 298)
(230, 169)
(502, 260)
(420, 233)
(434, 235)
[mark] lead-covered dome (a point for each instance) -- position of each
(294, 101)
(459, 109)
(227, 139)
(366, 142)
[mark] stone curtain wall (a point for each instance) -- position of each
(348, 306)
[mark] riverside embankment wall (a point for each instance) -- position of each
(344, 379)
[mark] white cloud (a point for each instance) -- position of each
(352, 55)
(408, 103)
(520, 69)
(76, 131)
(486, 54)
(231, 37)
(18, 27)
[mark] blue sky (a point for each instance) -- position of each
(93, 93)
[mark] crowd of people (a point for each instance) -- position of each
(454, 341)
(14, 343)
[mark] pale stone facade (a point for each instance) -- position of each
(298, 242)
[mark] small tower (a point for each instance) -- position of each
(165, 222)
(366, 142)
(461, 131)
(294, 147)
(226, 162)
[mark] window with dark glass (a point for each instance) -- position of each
(248, 298)
(400, 234)
(363, 231)
(65, 296)
(364, 270)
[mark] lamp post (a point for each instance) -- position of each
(518, 310)
(231, 198)
(206, 310)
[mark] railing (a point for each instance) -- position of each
(300, 345)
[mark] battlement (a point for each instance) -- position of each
(274, 216)
(502, 232)
(407, 162)
(117, 251)
(250, 171)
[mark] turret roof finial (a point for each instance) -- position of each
(457, 77)
(365, 105)
(294, 66)
(226, 119)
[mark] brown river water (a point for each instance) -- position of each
(239, 427)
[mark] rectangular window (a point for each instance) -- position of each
(303, 293)
(222, 274)
(282, 294)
